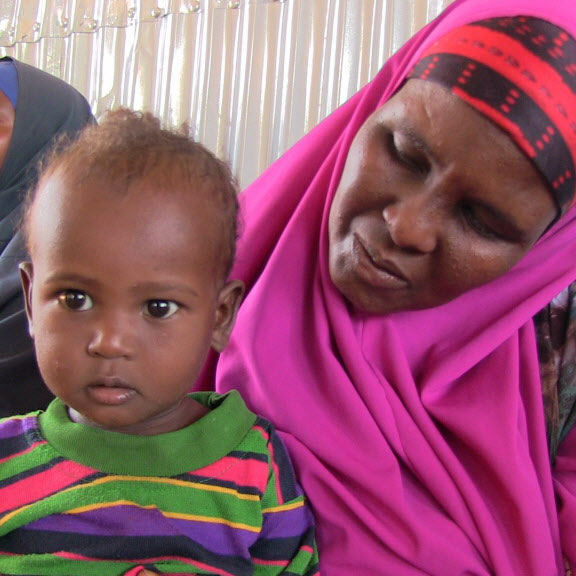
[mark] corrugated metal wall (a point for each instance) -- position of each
(250, 76)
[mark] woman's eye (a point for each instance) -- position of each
(161, 308)
(413, 163)
(480, 227)
(75, 300)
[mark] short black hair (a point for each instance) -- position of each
(125, 147)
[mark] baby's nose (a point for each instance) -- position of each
(113, 337)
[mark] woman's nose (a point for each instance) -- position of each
(112, 337)
(411, 224)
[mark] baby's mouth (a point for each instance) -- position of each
(111, 391)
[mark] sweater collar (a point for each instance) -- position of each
(198, 445)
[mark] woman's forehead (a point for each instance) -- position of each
(519, 73)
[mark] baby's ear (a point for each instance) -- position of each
(228, 304)
(26, 277)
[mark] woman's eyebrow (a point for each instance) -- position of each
(416, 140)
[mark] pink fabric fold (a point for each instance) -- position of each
(419, 436)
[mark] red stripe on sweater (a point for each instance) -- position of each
(29, 490)
(243, 472)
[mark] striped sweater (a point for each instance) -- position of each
(217, 497)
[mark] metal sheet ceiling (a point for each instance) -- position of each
(250, 76)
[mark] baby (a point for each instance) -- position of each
(131, 233)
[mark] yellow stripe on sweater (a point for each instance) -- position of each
(283, 507)
(177, 515)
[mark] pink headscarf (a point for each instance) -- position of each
(419, 436)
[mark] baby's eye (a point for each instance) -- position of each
(161, 308)
(75, 300)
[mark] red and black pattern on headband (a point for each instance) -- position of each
(546, 41)
(521, 74)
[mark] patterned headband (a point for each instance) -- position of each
(521, 73)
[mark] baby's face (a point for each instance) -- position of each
(125, 298)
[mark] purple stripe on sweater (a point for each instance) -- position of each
(17, 427)
(287, 524)
(133, 521)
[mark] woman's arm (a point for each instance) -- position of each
(565, 488)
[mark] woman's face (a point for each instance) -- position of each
(434, 200)
(6, 125)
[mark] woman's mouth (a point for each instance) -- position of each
(377, 270)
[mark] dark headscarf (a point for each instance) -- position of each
(47, 108)
(520, 73)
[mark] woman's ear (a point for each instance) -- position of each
(227, 307)
(26, 277)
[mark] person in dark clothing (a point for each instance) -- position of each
(36, 109)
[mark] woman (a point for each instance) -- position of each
(395, 260)
(35, 109)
